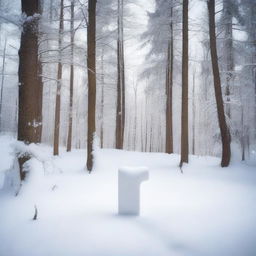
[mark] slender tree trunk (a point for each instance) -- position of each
(30, 93)
(119, 102)
(184, 107)
(142, 130)
(91, 69)
(169, 85)
(59, 82)
(40, 100)
(71, 79)
(242, 135)
(225, 137)
(102, 100)
(120, 108)
(146, 125)
(194, 116)
(2, 83)
(122, 70)
(151, 138)
(135, 117)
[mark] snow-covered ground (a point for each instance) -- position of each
(205, 211)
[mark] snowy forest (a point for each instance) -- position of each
(97, 96)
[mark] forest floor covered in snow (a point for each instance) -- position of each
(207, 210)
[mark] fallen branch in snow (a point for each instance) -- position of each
(54, 187)
(35, 215)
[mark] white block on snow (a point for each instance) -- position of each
(129, 180)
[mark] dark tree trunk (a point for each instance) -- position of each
(71, 79)
(120, 108)
(169, 83)
(30, 84)
(225, 137)
(40, 99)
(102, 101)
(30, 93)
(184, 107)
(91, 69)
(119, 101)
(59, 82)
(194, 117)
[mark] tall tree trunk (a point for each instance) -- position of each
(29, 81)
(122, 70)
(242, 135)
(120, 108)
(135, 117)
(194, 116)
(40, 86)
(40, 99)
(71, 79)
(184, 107)
(119, 99)
(169, 84)
(102, 100)
(91, 69)
(146, 125)
(59, 82)
(30, 91)
(225, 137)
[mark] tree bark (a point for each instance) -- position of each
(184, 107)
(225, 137)
(30, 93)
(194, 116)
(169, 84)
(59, 82)
(102, 100)
(120, 108)
(91, 69)
(30, 86)
(71, 79)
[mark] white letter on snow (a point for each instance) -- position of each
(129, 180)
